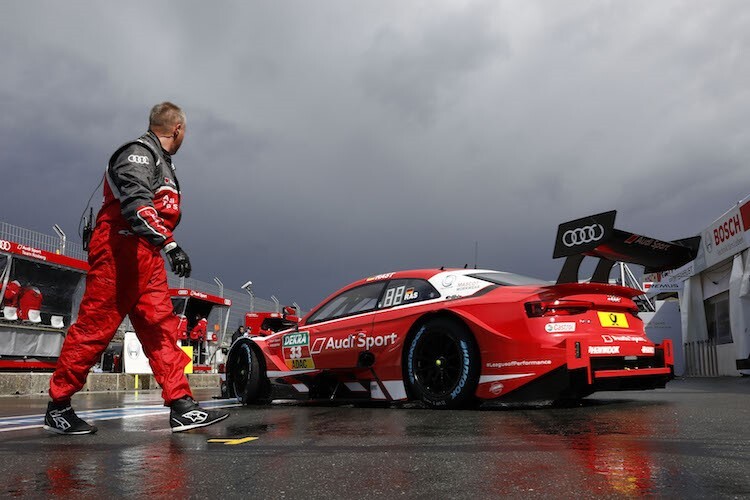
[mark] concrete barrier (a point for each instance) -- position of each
(15, 384)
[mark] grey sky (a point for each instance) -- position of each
(328, 141)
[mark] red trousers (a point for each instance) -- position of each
(126, 277)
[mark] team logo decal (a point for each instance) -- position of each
(296, 351)
(196, 416)
(140, 160)
(581, 235)
(5, 246)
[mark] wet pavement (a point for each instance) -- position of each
(691, 440)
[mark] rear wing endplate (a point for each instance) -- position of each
(596, 236)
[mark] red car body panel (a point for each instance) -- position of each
(594, 334)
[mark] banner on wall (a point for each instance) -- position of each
(135, 360)
(725, 236)
(668, 281)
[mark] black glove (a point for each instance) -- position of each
(179, 262)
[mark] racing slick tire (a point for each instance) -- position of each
(244, 377)
(442, 364)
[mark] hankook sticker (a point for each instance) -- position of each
(604, 349)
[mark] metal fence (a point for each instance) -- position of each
(55, 244)
(701, 359)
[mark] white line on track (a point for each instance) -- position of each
(19, 423)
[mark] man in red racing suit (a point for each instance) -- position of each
(141, 209)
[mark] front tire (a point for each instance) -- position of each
(442, 364)
(244, 373)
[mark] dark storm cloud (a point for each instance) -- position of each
(417, 72)
(333, 140)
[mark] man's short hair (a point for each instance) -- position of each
(163, 116)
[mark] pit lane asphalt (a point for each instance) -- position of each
(691, 440)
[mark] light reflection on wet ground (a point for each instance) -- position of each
(688, 441)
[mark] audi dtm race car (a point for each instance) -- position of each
(453, 337)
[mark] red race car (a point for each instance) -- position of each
(451, 338)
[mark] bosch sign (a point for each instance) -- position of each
(727, 230)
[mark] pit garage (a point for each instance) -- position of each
(39, 295)
(714, 294)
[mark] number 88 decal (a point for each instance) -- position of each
(396, 296)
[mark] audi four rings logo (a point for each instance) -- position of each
(141, 160)
(581, 235)
(4, 246)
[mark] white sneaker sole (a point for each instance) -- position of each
(55, 430)
(183, 428)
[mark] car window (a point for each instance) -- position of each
(357, 300)
(407, 291)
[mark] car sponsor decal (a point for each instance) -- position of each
(522, 362)
(448, 280)
(497, 388)
(612, 319)
(646, 349)
(296, 351)
(623, 338)
(604, 349)
(380, 277)
(564, 327)
(463, 286)
(358, 340)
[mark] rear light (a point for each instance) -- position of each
(557, 308)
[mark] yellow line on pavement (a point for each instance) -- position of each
(233, 441)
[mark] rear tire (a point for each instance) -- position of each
(442, 364)
(244, 374)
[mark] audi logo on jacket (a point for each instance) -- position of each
(142, 192)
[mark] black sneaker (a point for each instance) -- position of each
(61, 419)
(186, 415)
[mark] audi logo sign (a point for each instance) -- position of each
(141, 160)
(581, 235)
(4, 246)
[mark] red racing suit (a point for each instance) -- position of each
(127, 277)
(199, 330)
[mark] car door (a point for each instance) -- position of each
(338, 331)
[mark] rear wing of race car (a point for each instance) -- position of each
(596, 236)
